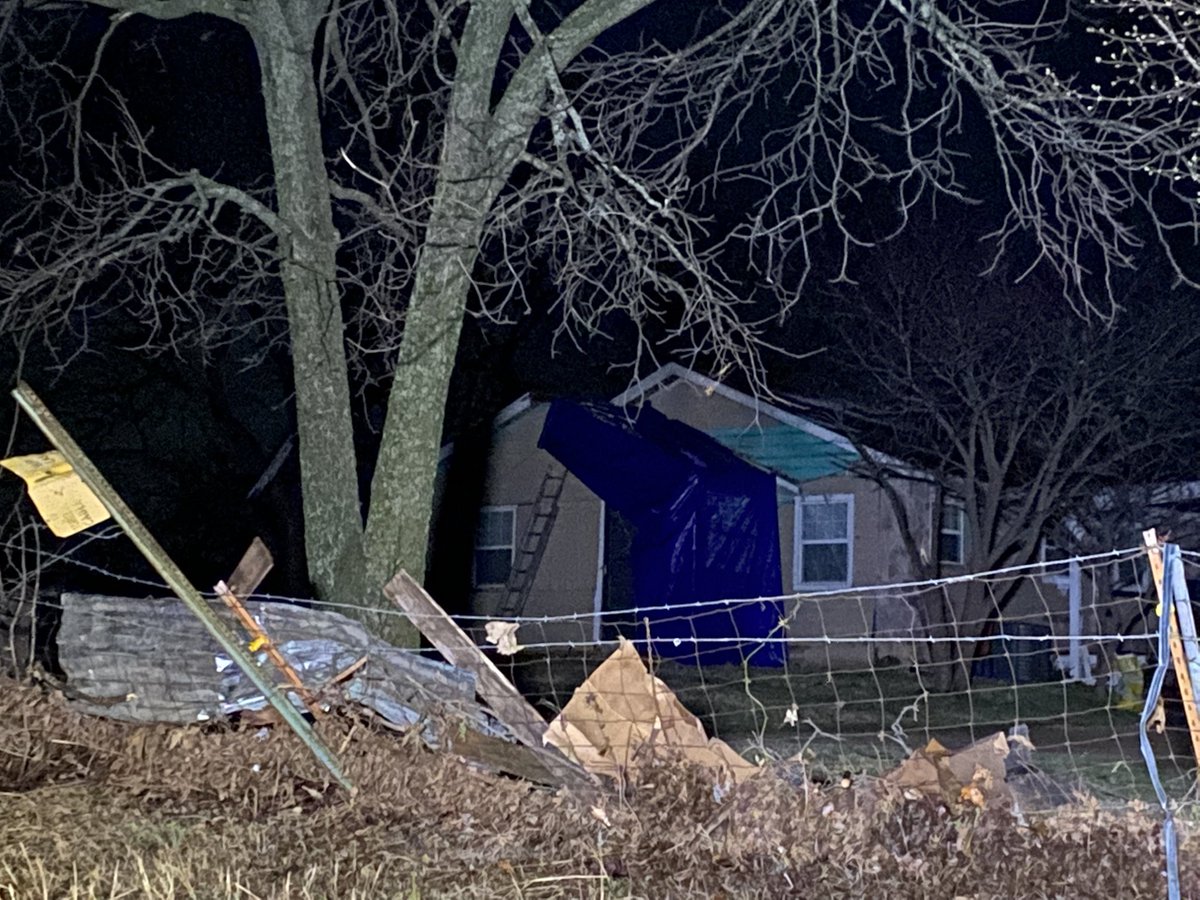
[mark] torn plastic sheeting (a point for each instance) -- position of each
(623, 718)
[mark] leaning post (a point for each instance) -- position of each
(172, 574)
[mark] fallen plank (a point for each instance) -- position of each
(251, 569)
(498, 692)
(499, 755)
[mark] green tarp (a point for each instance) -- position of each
(787, 451)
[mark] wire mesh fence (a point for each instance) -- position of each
(1058, 652)
(1055, 655)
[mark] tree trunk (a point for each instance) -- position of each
(283, 35)
(478, 155)
(401, 508)
(479, 150)
(403, 486)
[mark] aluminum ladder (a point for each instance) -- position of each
(533, 544)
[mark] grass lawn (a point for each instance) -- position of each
(867, 720)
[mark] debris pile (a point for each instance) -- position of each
(143, 660)
(96, 807)
(973, 776)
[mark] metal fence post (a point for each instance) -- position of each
(172, 574)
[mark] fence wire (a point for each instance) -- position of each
(867, 676)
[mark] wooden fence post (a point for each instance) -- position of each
(1179, 656)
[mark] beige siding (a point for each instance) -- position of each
(566, 579)
(879, 558)
(707, 412)
(1038, 598)
(879, 553)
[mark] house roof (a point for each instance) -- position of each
(787, 450)
(796, 448)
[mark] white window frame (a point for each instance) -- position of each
(962, 532)
(798, 542)
(511, 546)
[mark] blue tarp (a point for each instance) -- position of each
(706, 528)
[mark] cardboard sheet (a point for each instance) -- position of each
(623, 718)
(973, 775)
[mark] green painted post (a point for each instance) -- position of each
(171, 573)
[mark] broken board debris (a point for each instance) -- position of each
(162, 563)
(504, 700)
(174, 672)
(249, 574)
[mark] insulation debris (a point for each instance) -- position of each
(504, 636)
(623, 717)
(140, 660)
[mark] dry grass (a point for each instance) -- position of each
(93, 809)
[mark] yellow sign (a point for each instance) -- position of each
(65, 502)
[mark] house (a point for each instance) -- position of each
(837, 532)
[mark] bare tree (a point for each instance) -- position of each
(1153, 49)
(424, 159)
(1020, 415)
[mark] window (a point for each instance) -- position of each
(824, 544)
(951, 533)
(1130, 577)
(494, 544)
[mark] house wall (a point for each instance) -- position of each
(566, 579)
(686, 402)
(879, 558)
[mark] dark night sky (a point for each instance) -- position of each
(185, 439)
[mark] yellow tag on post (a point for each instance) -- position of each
(66, 504)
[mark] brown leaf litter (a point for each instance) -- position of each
(94, 808)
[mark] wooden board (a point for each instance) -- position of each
(497, 691)
(249, 574)
(499, 755)
(251, 570)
